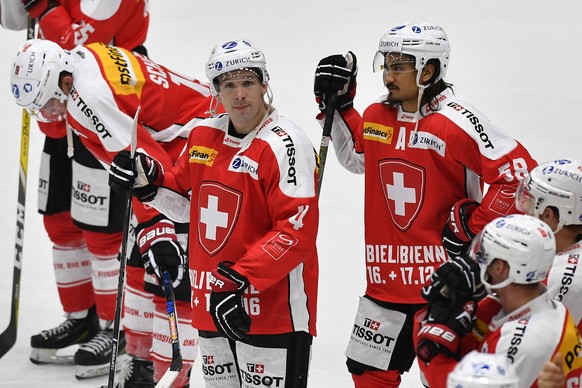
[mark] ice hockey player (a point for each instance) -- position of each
(412, 143)
(518, 319)
(81, 215)
(98, 89)
(253, 227)
(552, 192)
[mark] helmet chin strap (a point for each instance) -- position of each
(412, 138)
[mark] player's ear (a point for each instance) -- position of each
(66, 83)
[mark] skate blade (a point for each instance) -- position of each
(51, 356)
(83, 372)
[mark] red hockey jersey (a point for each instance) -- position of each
(413, 178)
(109, 83)
(256, 207)
(75, 22)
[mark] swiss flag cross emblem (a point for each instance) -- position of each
(573, 259)
(403, 184)
(218, 210)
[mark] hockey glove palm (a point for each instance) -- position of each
(456, 279)
(457, 234)
(226, 302)
(445, 326)
(336, 73)
(160, 248)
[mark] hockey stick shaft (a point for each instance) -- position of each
(326, 135)
(176, 364)
(122, 264)
(8, 336)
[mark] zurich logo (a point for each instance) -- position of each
(548, 170)
(229, 45)
(236, 163)
(27, 87)
(416, 29)
(500, 224)
(218, 66)
(415, 140)
(15, 91)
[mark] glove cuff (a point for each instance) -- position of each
(162, 230)
(226, 279)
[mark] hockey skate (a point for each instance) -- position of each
(93, 358)
(47, 344)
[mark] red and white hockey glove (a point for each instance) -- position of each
(458, 278)
(457, 234)
(227, 304)
(445, 326)
(336, 73)
(160, 248)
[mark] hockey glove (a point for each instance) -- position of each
(122, 172)
(226, 302)
(150, 175)
(446, 324)
(457, 234)
(456, 279)
(336, 73)
(160, 248)
(142, 174)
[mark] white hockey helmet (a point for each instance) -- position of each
(34, 77)
(424, 41)
(526, 243)
(483, 370)
(235, 55)
(557, 183)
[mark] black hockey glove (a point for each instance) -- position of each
(456, 279)
(446, 324)
(226, 302)
(142, 175)
(457, 234)
(122, 172)
(160, 248)
(336, 73)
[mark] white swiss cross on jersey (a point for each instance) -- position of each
(403, 184)
(219, 207)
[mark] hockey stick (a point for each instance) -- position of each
(176, 365)
(325, 136)
(8, 336)
(122, 262)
